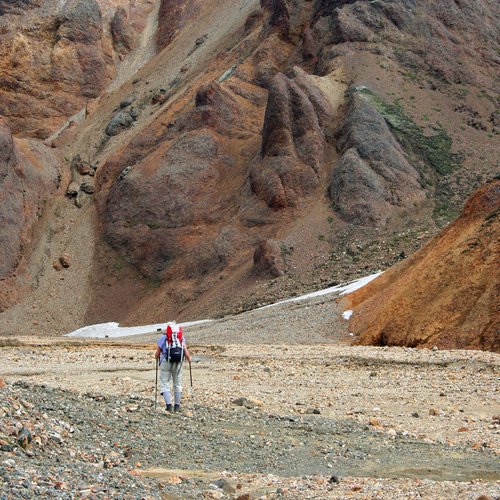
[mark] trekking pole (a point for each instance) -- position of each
(156, 383)
(191, 375)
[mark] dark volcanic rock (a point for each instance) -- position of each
(284, 14)
(267, 259)
(121, 121)
(293, 142)
(373, 178)
(124, 36)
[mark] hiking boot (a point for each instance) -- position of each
(169, 408)
(177, 408)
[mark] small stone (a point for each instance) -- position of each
(2, 383)
(73, 189)
(126, 102)
(57, 265)
(435, 348)
(87, 188)
(415, 414)
(248, 402)
(334, 480)
(433, 412)
(356, 487)
(484, 497)
(375, 422)
(313, 411)
(65, 259)
(463, 429)
(224, 485)
(24, 438)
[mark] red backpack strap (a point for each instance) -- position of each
(179, 334)
(169, 334)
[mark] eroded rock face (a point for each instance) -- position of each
(150, 222)
(172, 16)
(54, 58)
(449, 288)
(28, 178)
(293, 142)
(267, 259)
(124, 36)
(465, 31)
(373, 178)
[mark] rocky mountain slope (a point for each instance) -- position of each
(446, 294)
(238, 158)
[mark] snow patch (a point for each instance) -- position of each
(340, 289)
(114, 330)
(347, 314)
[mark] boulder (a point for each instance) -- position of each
(267, 259)
(73, 189)
(123, 35)
(121, 121)
(79, 165)
(65, 259)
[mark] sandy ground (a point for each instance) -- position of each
(431, 416)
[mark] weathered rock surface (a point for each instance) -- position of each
(121, 121)
(444, 295)
(373, 178)
(293, 143)
(124, 36)
(53, 59)
(172, 17)
(267, 259)
(29, 176)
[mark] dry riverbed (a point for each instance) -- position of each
(267, 417)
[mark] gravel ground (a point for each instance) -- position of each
(270, 415)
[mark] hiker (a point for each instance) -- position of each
(171, 352)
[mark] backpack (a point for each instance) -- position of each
(173, 349)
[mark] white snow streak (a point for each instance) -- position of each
(347, 315)
(114, 330)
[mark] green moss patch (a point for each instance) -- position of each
(434, 151)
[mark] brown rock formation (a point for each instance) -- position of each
(124, 36)
(29, 176)
(267, 260)
(293, 143)
(172, 16)
(447, 294)
(53, 59)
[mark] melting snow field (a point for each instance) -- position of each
(114, 330)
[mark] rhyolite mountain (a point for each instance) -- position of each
(201, 157)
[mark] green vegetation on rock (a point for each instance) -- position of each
(434, 150)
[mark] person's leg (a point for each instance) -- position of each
(165, 376)
(177, 376)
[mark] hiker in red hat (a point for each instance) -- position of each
(171, 351)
